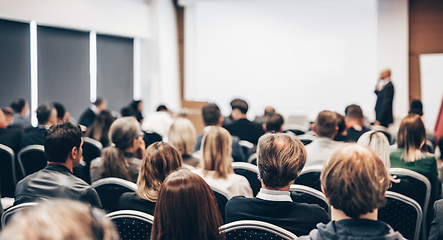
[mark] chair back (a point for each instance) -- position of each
(255, 230)
(247, 147)
(253, 159)
(92, 149)
(420, 189)
(110, 189)
(132, 224)
(8, 178)
(304, 194)
(295, 128)
(14, 209)
(221, 197)
(250, 172)
(403, 214)
(32, 159)
(310, 176)
(306, 138)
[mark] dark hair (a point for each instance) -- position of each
(134, 104)
(127, 112)
(99, 101)
(341, 124)
(60, 139)
(8, 111)
(239, 104)
(162, 107)
(60, 110)
(18, 104)
(280, 158)
(354, 112)
(186, 209)
(274, 122)
(211, 114)
(100, 127)
(416, 107)
(325, 124)
(44, 112)
(349, 107)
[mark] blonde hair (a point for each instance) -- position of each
(412, 138)
(183, 136)
(378, 142)
(355, 180)
(59, 220)
(160, 159)
(216, 152)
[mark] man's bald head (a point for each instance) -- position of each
(386, 73)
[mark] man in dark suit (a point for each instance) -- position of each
(213, 117)
(242, 127)
(46, 116)
(385, 95)
(21, 114)
(88, 116)
(9, 137)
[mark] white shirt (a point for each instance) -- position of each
(274, 195)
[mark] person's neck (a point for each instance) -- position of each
(337, 215)
(287, 188)
(67, 164)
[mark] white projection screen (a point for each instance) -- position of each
(299, 56)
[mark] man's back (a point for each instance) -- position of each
(33, 136)
(299, 218)
(11, 138)
(55, 181)
(320, 150)
(245, 130)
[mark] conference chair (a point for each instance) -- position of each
(92, 149)
(7, 171)
(297, 129)
(310, 176)
(421, 189)
(306, 138)
(253, 159)
(304, 194)
(403, 214)
(221, 197)
(32, 159)
(248, 148)
(255, 230)
(14, 209)
(131, 224)
(250, 172)
(110, 189)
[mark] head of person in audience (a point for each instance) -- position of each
(325, 124)
(9, 115)
(378, 143)
(47, 114)
(126, 138)
(137, 105)
(158, 162)
(354, 116)
(416, 107)
(280, 159)
(341, 124)
(412, 137)
(127, 112)
(273, 123)
(239, 108)
(62, 115)
(162, 108)
(101, 125)
(186, 209)
(216, 152)
(269, 111)
(182, 135)
(20, 106)
(212, 115)
(60, 219)
(64, 144)
(101, 104)
(3, 123)
(355, 181)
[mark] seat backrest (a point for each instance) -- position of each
(132, 224)
(91, 149)
(14, 209)
(252, 230)
(403, 214)
(310, 176)
(32, 159)
(8, 178)
(110, 189)
(221, 197)
(253, 159)
(304, 194)
(248, 147)
(250, 172)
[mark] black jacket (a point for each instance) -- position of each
(52, 182)
(383, 106)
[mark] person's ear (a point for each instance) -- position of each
(264, 127)
(281, 128)
(73, 153)
(313, 127)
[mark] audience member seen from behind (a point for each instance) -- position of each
(417, 108)
(122, 158)
(322, 147)
(280, 159)
(274, 123)
(63, 150)
(182, 136)
(61, 219)
(137, 107)
(149, 137)
(99, 130)
(88, 116)
(412, 154)
(186, 209)
(355, 182)
(9, 114)
(355, 122)
(342, 134)
(212, 117)
(159, 122)
(21, 114)
(160, 160)
(9, 137)
(216, 162)
(46, 116)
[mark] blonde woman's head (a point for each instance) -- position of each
(183, 136)
(216, 152)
